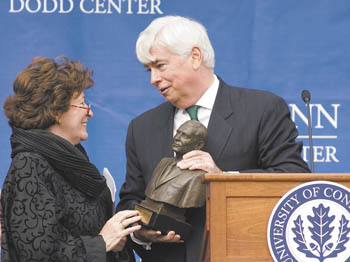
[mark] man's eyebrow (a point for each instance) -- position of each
(154, 63)
(151, 63)
(158, 61)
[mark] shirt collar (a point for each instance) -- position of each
(208, 98)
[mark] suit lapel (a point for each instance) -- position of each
(219, 129)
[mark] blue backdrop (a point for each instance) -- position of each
(283, 46)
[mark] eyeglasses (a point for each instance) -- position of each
(87, 108)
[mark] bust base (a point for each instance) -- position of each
(155, 220)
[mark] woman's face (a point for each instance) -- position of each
(72, 124)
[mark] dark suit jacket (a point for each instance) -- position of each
(248, 131)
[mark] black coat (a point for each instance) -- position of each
(248, 131)
(46, 218)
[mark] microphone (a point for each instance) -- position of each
(305, 95)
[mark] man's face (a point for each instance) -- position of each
(185, 139)
(173, 76)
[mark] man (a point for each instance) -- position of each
(248, 130)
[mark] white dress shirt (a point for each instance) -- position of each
(206, 103)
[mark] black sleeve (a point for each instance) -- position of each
(33, 231)
(278, 150)
(132, 191)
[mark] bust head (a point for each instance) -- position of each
(191, 135)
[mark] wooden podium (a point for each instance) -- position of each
(239, 208)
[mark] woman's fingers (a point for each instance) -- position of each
(122, 215)
(116, 229)
(127, 221)
(129, 230)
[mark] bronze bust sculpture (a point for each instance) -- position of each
(172, 190)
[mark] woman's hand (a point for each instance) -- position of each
(115, 231)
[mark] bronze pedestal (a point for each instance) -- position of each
(163, 217)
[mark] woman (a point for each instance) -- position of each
(55, 204)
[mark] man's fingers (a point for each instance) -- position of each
(171, 237)
(195, 163)
(198, 160)
(192, 161)
(194, 153)
(177, 238)
(147, 234)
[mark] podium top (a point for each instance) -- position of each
(298, 177)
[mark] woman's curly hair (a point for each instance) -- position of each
(43, 91)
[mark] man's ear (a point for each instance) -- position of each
(196, 57)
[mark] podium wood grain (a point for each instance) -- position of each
(239, 208)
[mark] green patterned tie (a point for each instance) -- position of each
(193, 112)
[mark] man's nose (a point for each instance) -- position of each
(155, 77)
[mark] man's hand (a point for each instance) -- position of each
(150, 235)
(198, 159)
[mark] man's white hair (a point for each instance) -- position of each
(179, 35)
